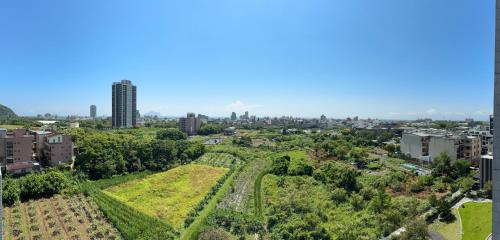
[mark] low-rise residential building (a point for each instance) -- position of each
(427, 145)
(415, 145)
(22, 151)
(16, 149)
(58, 149)
(39, 143)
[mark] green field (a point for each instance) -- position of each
(476, 220)
(169, 195)
(450, 231)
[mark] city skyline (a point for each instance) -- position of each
(393, 61)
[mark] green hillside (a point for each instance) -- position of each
(6, 112)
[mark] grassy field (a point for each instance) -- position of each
(169, 195)
(57, 218)
(476, 220)
(9, 127)
(450, 231)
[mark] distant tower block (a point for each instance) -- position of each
(93, 111)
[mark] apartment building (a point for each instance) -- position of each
(425, 146)
(457, 147)
(58, 149)
(124, 104)
(416, 145)
(485, 136)
(16, 150)
(93, 111)
(190, 124)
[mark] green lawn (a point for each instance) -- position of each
(169, 195)
(450, 231)
(476, 220)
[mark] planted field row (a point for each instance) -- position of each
(241, 195)
(171, 195)
(219, 160)
(57, 218)
(131, 223)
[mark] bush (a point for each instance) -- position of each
(11, 192)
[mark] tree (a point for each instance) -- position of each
(359, 155)
(339, 195)
(433, 201)
(415, 230)
(380, 202)
(171, 134)
(207, 129)
(280, 165)
(460, 168)
(441, 165)
(466, 184)
(444, 210)
(244, 141)
(338, 175)
(356, 201)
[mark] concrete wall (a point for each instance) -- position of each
(411, 144)
(496, 148)
(437, 145)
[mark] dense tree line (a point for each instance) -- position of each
(104, 154)
(208, 129)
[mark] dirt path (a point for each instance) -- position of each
(435, 235)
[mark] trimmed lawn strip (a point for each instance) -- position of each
(476, 220)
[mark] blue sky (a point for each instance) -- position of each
(387, 59)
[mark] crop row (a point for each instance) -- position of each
(57, 218)
(131, 223)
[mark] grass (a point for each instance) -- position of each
(192, 232)
(169, 195)
(450, 231)
(11, 127)
(258, 194)
(476, 220)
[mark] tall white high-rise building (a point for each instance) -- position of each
(124, 103)
(496, 138)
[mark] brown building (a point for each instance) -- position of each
(58, 149)
(190, 124)
(16, 149)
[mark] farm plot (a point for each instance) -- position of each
(169, 195)
(60, 217)
(218, 160)
(240, 196)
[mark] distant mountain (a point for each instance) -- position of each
(6, 112)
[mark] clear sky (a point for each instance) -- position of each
(389, 59)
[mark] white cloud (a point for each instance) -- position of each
(239, 106)
(431, 111)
